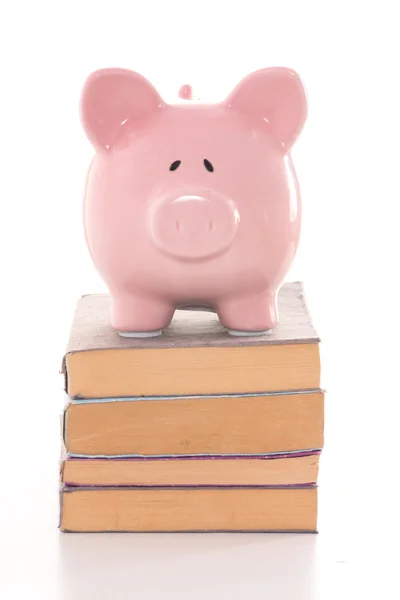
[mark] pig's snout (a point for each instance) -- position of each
(194, 225)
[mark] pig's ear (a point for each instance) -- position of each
(277, 96)
(112, 99)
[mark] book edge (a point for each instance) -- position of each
(103, 488)
(68, 456)
(80, 400)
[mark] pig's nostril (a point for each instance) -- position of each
(210, 225)
(178, 226)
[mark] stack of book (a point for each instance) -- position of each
(195, 430)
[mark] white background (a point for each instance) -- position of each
(347, 159)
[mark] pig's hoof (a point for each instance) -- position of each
(239, 333)
(140, 334)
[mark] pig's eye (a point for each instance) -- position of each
(208, 165)
(175, 165)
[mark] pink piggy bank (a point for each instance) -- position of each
(192, 204)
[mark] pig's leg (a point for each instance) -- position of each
(135, 316)
(249, 315)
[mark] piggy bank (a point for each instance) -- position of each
(192, 204)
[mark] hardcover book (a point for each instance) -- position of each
(195, 355)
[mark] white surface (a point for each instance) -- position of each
(238, 333)
(140, 334)
(348, 163)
